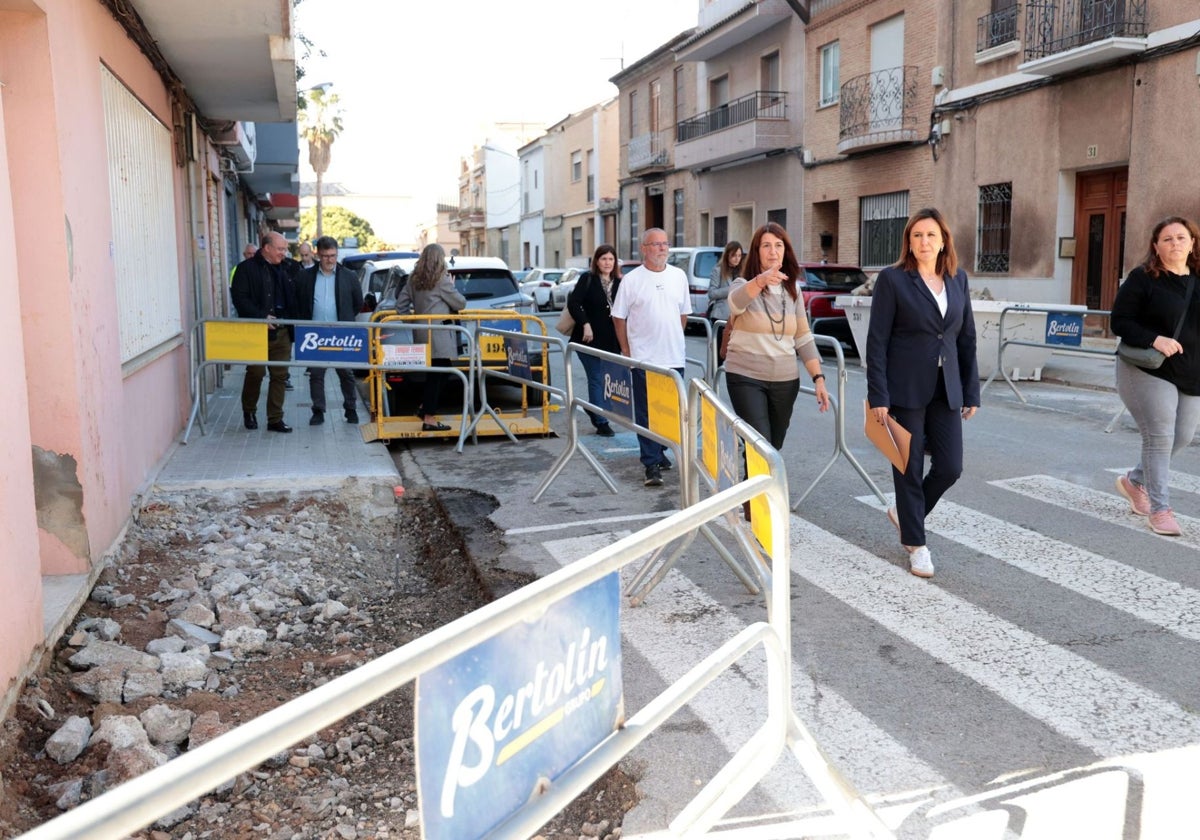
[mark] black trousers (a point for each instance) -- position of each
(767, 406)
(936, 428)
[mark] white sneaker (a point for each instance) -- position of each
(920, 562)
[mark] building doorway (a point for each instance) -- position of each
(1099, 236)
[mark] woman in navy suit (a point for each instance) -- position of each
(922, 369)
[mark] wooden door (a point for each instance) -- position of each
(1099, 236)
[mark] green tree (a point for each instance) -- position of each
(321, 123)
(340, 223)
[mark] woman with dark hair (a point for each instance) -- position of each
(722, 277)
(771, 331)
(922, 370)
(590, 304)
(1158, 306)
(430, 291)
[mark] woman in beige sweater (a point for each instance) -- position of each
(770, 332)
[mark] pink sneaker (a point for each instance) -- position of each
(1164, 523)
(1139, 499)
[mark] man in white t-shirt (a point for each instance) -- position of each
(649, 314)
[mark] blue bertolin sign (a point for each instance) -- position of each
(618, 388)
(1064, 328)
(497, 722)
(343, 345)
(516, 353)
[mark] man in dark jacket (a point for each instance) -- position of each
(263, 290)
(329, 292)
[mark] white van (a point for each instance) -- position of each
(697, 264)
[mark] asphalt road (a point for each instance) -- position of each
(1042, 684)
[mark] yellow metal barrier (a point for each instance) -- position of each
(478, 352)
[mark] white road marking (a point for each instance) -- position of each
(1089, 704)
(1145, 596)
(1110, 508)
(867, 755)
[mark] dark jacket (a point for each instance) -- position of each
(346, 291)
(588, 305)
(253, 290)
(908, 334)
(1146, 308)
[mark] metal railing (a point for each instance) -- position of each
(762, 104)
(649, 150)
(878, 102)
(997, 28)
(1059, 26)
(1003, 343)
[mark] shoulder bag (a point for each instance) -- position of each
(1147, 358)
(565, 323)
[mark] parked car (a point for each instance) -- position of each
(697, 264)
(486, 283)
(373, 276)
(539, 283)
(821, 282)
(355, 261)
(563, 290)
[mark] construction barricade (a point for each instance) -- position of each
(520, 705)
(396, 357)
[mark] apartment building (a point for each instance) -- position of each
(532, 161)
(1066, 130)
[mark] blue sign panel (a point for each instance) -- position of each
(341, 345)
(1064, 328)
(516, 350)
(520, 708)
(618, 388)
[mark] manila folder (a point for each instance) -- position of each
(892, 440)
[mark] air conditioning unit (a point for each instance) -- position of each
(806, 157)
(239, 142)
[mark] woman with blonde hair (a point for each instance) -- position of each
(430, 291)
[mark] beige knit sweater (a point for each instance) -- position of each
(764, 346)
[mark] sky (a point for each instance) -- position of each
(417, 80)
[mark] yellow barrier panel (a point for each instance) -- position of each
(662, 406)
(235, 341)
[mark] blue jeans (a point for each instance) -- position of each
(651, 452)
(1167, 420)
(595, 380)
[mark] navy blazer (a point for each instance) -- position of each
(908, 333)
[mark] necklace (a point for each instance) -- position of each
(771, 316)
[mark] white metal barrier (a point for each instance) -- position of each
(139, 802)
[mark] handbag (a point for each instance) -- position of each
(723, 350)
(565, 323)
(1147, 358)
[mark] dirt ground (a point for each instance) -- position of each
(437, 585)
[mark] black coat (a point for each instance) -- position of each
(588, 305)
(253, 290)
(347, 291)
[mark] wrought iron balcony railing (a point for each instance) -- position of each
(762, 104)
(1055, 27)
(649, 150)
(877, 103)
(997, 28)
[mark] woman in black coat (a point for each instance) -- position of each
(590, 304)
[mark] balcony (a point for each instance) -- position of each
(753, 124)
(878, 109)
(467, 218)
(650, 151)
(1073, 34)
(997, 30)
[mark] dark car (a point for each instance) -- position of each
(822, 282)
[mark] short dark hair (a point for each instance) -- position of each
(326, 243)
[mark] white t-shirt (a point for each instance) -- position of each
(651, 304)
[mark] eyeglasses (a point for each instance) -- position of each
(655, 244)
(332, 256)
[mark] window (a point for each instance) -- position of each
(591, 175)
(635, 128)
(576, 241)
(769, 72)
(881, 221)
(679, 238)
(830, 84)
(142, 201)
(720, 231)
(576, 166)
(655, 104)
(995, 227)
(680, 98)
(779, 217)
(634, 240)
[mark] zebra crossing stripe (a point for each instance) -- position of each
(1093, 706)
(1108, 507)
(1175, 480)
(1150, 598)
(867, 755)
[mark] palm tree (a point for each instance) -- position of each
(322, 123)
